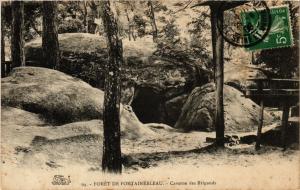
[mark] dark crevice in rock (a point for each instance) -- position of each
(148, 104)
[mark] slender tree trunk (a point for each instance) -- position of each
(129, 27)
(284, 123)
(50, 35)
(153, 23)
(213, 39)
(94, 15)
(133, 32)
(218, 58)
(253, 59)
(85, 16)
(111, 161)
(2, 44)
(17, 36)
(260, 125)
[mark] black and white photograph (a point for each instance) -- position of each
(150, 94)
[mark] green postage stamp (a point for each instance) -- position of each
(280, 33)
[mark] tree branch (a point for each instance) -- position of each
(183, 7)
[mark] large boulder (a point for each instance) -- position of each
(167, 82)
(90, 45)
(57, 97)
(84, 55)
(241, 114)
(48, 113)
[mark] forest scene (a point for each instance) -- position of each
(152, 90)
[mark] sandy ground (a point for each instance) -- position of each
(172, 160)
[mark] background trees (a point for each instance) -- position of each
(50, 35)
(33, 21)
(152, 18)
(2, 43)
(17, 36)
(137, 19)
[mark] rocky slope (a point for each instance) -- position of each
(56, 97)
(47, 115)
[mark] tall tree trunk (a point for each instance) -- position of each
(153, 23)
(218, 58)
(17, 36)
(50, 35)
(2, 44)
(111, 161)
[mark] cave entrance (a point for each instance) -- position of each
(147, 104)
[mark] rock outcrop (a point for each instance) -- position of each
(48, 116)
(59, 97)
(84, 55)
(54, 97)
(241, 114)
(161, 88)
(155, 87)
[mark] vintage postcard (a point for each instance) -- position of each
(150, 94)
